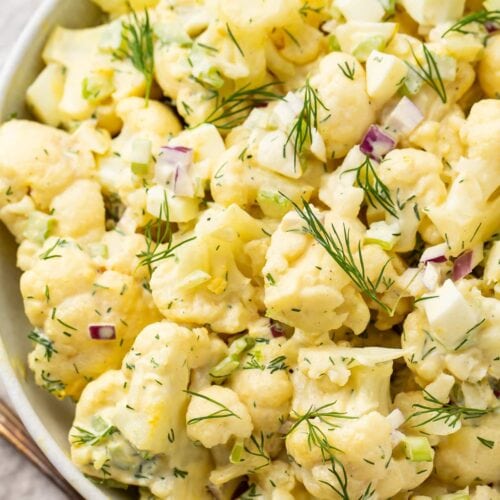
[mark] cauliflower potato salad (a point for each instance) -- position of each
(259, 243)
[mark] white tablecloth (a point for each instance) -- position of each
(19, 480)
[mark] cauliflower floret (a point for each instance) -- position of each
(480, 135)
(264, 386)
(489, 68)
(40, 161)
(462, 458)
(207, 282)
(442, 138)
(64, 293)
(467, 349)
(240, 180)
(366, 460)
(216, 400)
(357, 390)
(413, 178)
(428, 100)
(79, 211)
(93, 76)
(155, 123)
(341, 395)
(265, 16)
(349, 112)
(118, 7)
(468, 214)
(306, 289)
(138, 415)
(338, 190)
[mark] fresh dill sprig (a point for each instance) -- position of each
(84, 436)
(224, 411)
(158, 234)
(323, 413)
(233, 39)
(376, 191)
(45, 342)
(349, 71)
(481, 17)
(139, 48)
(301, 134)
(368, 493)
(316, 437)
(341, 477)
(429, 72)
(258, 451)
(449, 413)
(339, 248)
(52, 385)
(235, 108)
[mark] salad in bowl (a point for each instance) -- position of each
(259, 246)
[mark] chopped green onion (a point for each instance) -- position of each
(232, 361)
(237, 452)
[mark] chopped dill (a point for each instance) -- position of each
(235, 108)
(348, 71)
(38, 337)
(155, 243)
(450, 413)
(338, 247)
(376, 192)
(301, 134)
(139, 48)
(223, 412)
(482, 17)
(429, 72)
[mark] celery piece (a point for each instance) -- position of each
(98, 250)
(418, 449)
(236, 452)
(333, 44)
(39, 227)
(172, 33)
(232, 361)
(139, 155)
(458, 495)
(97, 87)
(273, 204)
(366, 47)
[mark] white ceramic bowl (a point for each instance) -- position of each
(47, 419)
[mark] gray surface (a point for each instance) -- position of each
(19, 480)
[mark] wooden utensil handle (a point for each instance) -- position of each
(13, 430)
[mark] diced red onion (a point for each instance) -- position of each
(175, 161)
(277, 329)
(183, 185)
(177, 153)
(436, 253)
(102, 332)
(491, 27)
(432, 275)
(462, 266)
(376, 143)
(404, 118)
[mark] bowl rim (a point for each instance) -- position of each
(13, 386)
